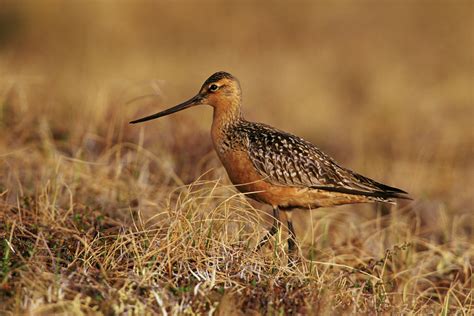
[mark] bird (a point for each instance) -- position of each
(275, 167)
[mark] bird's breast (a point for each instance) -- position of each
(243, 174)
(248, 180)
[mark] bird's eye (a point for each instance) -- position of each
(213, 87)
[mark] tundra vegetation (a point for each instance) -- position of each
(100, 217)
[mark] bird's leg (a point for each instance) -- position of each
(273, 230)
(292, 247)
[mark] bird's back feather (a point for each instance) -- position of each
(285, 159)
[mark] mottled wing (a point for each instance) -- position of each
(286, 159)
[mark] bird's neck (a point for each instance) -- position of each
(225, 117)
(226, 114)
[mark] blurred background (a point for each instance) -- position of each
(385, 87)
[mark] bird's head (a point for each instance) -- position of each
(221, 91)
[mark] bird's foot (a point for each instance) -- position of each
(293, 254)
(293, 260)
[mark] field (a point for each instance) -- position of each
(101, 217)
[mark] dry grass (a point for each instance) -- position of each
(100, 217)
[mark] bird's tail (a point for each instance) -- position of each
(383, 193)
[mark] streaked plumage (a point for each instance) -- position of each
(275, 167)
(285, 159)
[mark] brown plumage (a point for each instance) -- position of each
(275, 167)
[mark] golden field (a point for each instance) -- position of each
(101, 217)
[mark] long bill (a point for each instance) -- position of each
(193, 101)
